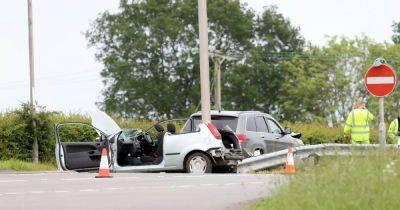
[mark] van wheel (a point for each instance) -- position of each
(198, 163)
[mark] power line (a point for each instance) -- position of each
(49, 85)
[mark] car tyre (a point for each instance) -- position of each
(233, 169)
(198, 163)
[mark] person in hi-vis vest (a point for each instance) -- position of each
(393, 131)
(357, 124)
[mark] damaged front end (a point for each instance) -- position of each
(230, 154)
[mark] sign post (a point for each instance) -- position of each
(382, 126)
(380, 80)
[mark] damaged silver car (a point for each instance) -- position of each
(202, 151)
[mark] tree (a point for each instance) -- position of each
(150, 53)
(257, 82)
(396, 33)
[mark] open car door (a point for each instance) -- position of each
(78, 146)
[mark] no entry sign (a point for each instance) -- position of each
(380, 80)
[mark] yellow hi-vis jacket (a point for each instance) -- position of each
(357, 126)
(392, 131)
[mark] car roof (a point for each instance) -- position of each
(229, 113)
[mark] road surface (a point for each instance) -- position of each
(133, 191)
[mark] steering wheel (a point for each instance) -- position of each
(148, 138)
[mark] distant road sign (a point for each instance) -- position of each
(380, 80)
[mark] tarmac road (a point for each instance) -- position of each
(43, 191)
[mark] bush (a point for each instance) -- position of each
(16, 132)
(318, 133)
(14, 141)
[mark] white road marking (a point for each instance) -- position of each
(256, 182)
(78, 179)
(61, 191)
(130, 177)
(184, 186)
(380, 80)
(37, 192)
(13, 193)
(208, 185)
(38, 174)
(189, 176)
(229, 184)
(16, 180)
(88, 190)
(112, 188)
(161, 187)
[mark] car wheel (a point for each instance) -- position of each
(198, 163)
(257, 152)
(233, 169)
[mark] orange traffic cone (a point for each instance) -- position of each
(104, 169)
(289, 165)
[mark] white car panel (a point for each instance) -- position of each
(103, 122)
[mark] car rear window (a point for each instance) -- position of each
(219, 121)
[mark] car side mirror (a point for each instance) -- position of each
(288, 130)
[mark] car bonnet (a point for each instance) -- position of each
(104, 123)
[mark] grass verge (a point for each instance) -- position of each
(359, 182)
(18, 165)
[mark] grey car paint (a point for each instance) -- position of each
(266, 138)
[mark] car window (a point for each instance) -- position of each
(273, 127)
(261, 125)
(251, 124)
(221, 122)
(187, 128)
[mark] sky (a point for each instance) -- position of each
(67, 74)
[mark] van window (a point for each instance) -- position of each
(251, 124)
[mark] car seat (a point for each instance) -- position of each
(171, 128)
(160, 142)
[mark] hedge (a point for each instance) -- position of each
(16, 132)
(318, 133)
(16, 135)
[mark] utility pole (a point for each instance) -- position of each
(218, 60)
(204, 68)
(35, 148)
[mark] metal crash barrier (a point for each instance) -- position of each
(278, 158)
